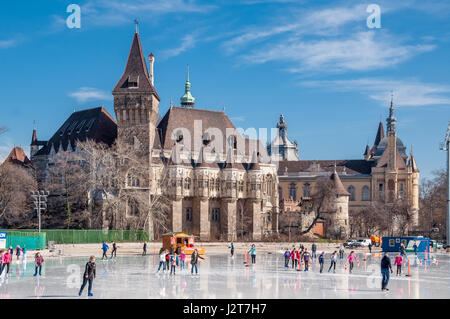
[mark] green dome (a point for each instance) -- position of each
(187, 99)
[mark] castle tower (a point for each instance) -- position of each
(339, 221)
(136, 105)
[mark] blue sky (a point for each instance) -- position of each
(316, 62)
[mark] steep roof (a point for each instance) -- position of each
(338, 186)
(96, 124)
(135, 71)
(349, 167)
(18, 156)
(380, 134)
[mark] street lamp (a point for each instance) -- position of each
(445, 146)
(40, 203)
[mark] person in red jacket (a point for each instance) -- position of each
(167, 261)
(6, 260)
(294, 257)
(398, 261)
(38, 262)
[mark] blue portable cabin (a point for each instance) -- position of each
(392, 244)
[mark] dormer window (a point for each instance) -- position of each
(133, 81)
(89, 125)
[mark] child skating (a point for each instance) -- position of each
(398, 262)
(89, 275)
(351, 259)
(333, 261)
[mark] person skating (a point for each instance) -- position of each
(402, 250)
(287, 253)
(333, 260)
(144, 249)
(385, 268)
(167, 260)
(1, 261)
(415, 248)
(351, 259)
(313, 250)
(173, 263)
(231, 249)
(105, 248)
(88, 276)
(306, 256)
(18, 251)
(24, 254)
(252, 252)
(162, 260)
(341, 252)
(114, 250)
(398, 262)
(194, 261)
(6, 261)
(38, 262)
(295, 257)
(321, 260)
(370, 247)
(182, 260)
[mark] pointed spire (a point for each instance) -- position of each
(137, 25)
(380, 134)
(412, 161)
(337, 184)
(34, 137)
(391, 119)
(187, 100)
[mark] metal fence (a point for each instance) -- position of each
(72, 236)
(28, 239)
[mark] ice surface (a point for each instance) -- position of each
(221, 276)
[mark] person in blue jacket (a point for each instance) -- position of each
(287, 254)
(105, 248)
(321, 260)
(252, 252)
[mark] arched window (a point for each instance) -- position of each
(133, 208)
(365, 193)
(351, 190)
(307, 190)
(132, 180)
(293, 191)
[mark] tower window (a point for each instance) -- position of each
(400, 191)
(306, 190)
(215, 214)
(380, 191)
(293, 191)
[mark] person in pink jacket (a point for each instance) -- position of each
(351, 259)
(38, 261)
(398, 261)
(6, 260)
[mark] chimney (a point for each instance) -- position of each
(151, 60)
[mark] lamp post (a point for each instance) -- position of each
(40, 203)
(445, 146)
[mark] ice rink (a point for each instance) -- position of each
(221, 276)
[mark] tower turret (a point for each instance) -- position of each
(187, 100)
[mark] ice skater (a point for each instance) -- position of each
(173, 263)
(333, 261)
(167, 260)
(18, 251)
(341, 252)
(38, 262)
(231, 249)
(313, 250)
(105, 248)
(287, 253)
(114, 250)
(398, 262)
(402, 250)
(194, 261)
(162, 260)
(321, 260)
(182, 260)
(6, 260)
(295, 257)
(415, 248)
(89, 275)
(24, 255)
(306, 256)
(144, 249)
(351, 259)
(252, 252)
(385, 268)
(370, 247)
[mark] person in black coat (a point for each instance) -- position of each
(89, 275)
(385, 268)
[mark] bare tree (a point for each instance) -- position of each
(244, 220)
(433, 204)
(322, 201)
(16, 184)
(120, 174)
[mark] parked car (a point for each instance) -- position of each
(363, 242)
(351, 243)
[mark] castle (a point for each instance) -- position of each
(217, 177)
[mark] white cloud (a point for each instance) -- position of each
(187, 42)
(5, 44)
(407, 92)
(114, 12)
(84, 94)
(359, 52)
